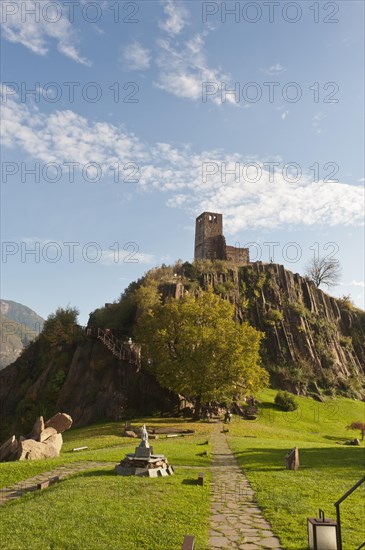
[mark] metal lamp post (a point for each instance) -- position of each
(325, 534)
(337, 505)
(322, 533)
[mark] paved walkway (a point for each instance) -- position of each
(19, 489)
(236, 519)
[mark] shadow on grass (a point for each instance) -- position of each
(189, 482)
(96, 473)
(264, 460)
(336, 438)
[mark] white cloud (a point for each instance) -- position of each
(284, 115)
(135, 57)
(256, 200)
(132, 255)
(183, 70)
(36, 35)
(177, 17)
(274, 70)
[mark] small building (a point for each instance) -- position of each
(210, 243)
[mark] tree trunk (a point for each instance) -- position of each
(198, 408)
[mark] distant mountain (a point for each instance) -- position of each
(18, 326)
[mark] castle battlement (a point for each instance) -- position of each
(210, 243)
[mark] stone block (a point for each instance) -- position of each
(60, 422)
(141, 472)
(45, 434)
(37, 429)
(47, 483)
(34, 450)
(144, 452)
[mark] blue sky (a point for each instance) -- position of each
(127, 148)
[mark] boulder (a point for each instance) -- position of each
(47, 433)
(34, 450)
(37, 429)
(8, 449)
(60, 422)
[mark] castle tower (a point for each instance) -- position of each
(209, 240)
(210, 243)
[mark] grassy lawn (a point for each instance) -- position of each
(100, 510)
(106, 444)
(327, 469)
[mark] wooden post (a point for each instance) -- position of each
(292, 459)
(200, 479)
(189, 542)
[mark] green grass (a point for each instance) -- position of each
(106, 443)
(327, 469)
(100, 510)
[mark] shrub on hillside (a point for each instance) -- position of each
(286, 401)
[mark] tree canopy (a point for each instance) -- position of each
(61, 327)
(198, 350)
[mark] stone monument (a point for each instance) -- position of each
(143, 462)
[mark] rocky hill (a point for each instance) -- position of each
(313, 344)
(19, 325)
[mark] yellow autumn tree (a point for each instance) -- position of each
(198, 350)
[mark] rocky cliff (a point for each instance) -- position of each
(313, 342)
(83, 379)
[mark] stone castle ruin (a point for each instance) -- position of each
(210, 243)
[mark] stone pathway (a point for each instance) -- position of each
(19, 489)
(236, 519)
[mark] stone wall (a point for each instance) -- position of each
(239, 256)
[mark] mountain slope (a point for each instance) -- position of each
(19, 325)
